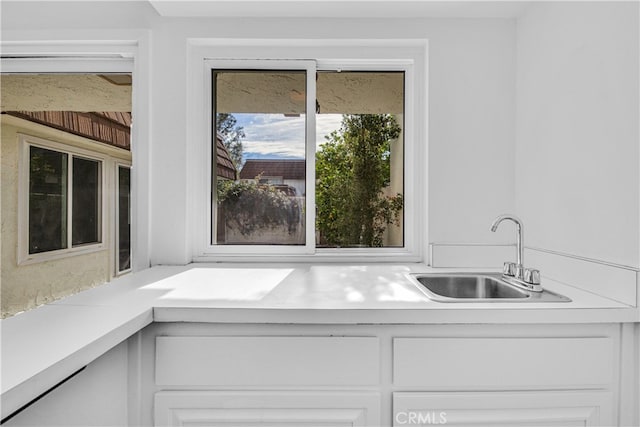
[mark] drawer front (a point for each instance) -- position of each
(267, 408)
(503, 363)
(541, 408)
(267, 361)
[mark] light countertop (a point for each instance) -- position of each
(45, 345)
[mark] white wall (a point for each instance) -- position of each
(471, 115)
(471, 129)
(471, 106)
(577, 151)
(576, 154)
(96, 396)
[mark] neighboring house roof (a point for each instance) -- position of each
(285, 168)
(225, 168)
(112, 128)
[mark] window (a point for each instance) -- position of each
(261, 123)
(85, 90)
(48, 179)
(308, 159)
(123, 219)
(86, 201)
(64, 199)
(359, 159)
(268, 106)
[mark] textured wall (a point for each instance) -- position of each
(27, 286)
(62, 92)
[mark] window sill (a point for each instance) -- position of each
(321, 256)
(25, 259)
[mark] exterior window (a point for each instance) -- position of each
(86, 201)
(123, 258)
(326, 176)
(47, 200)
(64, 203)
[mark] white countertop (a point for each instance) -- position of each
(45, 345)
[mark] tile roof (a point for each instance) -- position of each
(285, 168)
(112, 128)
(225, 168)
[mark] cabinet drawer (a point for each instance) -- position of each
(503, 363)
(267, 361)
(267, 408)
(541, 408)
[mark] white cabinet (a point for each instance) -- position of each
(274, 375)
(514, 409)
(266, 408)
(379, 375)
(516, 381)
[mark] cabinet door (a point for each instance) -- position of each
(476, 409)
(266, 408)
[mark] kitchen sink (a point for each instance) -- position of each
(471, 287)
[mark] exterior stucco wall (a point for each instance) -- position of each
(27, 286)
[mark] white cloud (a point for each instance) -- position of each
(272, 149)
(274, 135)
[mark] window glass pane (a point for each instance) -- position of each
(86, 201)
(124, 218)
(259, 157)
(47, 200)
(359, 159)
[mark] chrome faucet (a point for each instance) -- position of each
(515, 273)
(519, 233)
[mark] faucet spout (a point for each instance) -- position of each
(519, 234)
(516, 274)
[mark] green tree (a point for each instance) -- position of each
(232, 134)
(352, 169)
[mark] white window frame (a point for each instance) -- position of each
(25, 142)
(409, 56)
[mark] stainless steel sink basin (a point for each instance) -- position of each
(478, 288)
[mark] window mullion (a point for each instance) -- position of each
(310, 214)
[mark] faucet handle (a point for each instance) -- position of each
(532, 276)
(509, 269)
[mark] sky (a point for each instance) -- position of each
(274, 136)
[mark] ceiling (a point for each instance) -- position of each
(340, 8)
